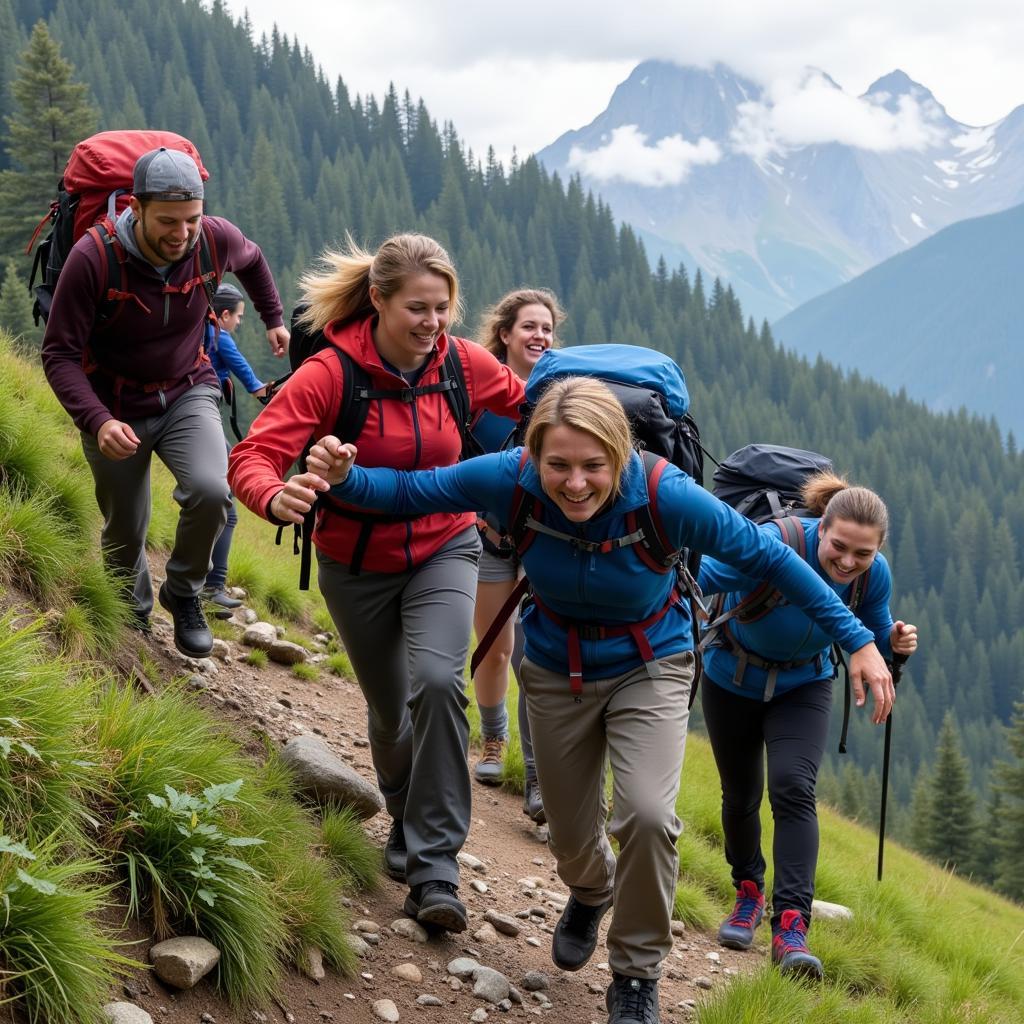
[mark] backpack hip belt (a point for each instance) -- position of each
(744, 658)
(577, 630)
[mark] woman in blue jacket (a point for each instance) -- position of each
(229, 308)
(769, 689)
(609, 659)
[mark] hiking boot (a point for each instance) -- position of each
(533, 806)
(192, 635)
(789, 947)
(436, 905)
(632, 1000)
(224, 604)
(737, 931)
(489, 768)
(395, 852)
(575, 937)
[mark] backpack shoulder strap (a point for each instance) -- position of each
(458, 397)
(522, 507)
(654, 550)
(355, 401)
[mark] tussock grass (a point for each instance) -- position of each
(257, 658)
(302, 670)
(57, 965)
(339, 664)
(347, 845)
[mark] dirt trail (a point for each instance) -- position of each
(510, 847)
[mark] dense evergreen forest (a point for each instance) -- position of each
(297, 162)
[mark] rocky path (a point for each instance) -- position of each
(509, 885)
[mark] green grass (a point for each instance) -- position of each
(347, 845)
(257, 658)
(304, 671)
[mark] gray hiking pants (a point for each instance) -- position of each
(639, 723)
(189, 440)
(407, 635)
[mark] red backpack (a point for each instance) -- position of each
(92, 192)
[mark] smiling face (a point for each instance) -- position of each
(846, 549)
(575, 472)
(529, 337)
(411, 319)
(166, 230)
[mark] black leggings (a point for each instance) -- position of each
(793, 729)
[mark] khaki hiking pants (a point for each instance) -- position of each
(638, 722)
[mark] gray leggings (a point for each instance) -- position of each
(407, 635)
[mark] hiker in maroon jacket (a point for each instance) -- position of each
(129, 367)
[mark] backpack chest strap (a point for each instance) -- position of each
(580, 543)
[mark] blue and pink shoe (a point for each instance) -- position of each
(789, 947)
(737, 931)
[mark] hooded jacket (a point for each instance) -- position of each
(614, 587)
(399, 434)
(786, 634)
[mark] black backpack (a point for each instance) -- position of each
(357, 393)
(764, 482)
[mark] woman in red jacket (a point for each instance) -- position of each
(400, 589)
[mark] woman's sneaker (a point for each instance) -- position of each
(737, 931)
(533, 805)
(632, 1000)
(490, 767)
(789, 947)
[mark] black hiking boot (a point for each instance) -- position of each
(192, 635)
(395, 852)
(575, 937)
(436, 905)
(632, 1000)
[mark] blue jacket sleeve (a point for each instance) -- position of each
(874, 610)
(484, 483)
(694, 518)
(718, 578)
(234, 361)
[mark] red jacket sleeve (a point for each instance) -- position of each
(303, 409)
(491, 384)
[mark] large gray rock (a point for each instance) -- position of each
(260, 634)
(284, 652)
(183, 961)
(126, 1013)
(489, 984)
(320, 773)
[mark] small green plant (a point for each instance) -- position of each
(355, 858)
(340, 665)
(305, 671)
(256, 658)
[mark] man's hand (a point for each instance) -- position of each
(331, 459)
(296, 498)
(116, 440)
(278, 338)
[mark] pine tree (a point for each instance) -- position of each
(16, 308)
(952, 819)
(51, 114)
(1009, 839)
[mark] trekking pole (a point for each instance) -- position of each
(898, 661)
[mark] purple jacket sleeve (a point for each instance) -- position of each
(244, 258)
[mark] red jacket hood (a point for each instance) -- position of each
(356, 338)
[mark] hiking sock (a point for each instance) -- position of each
(493, 720)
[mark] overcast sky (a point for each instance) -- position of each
(522, 72)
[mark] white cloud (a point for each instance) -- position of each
(811, 109)
(628, 157)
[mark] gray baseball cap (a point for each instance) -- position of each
(167, 174)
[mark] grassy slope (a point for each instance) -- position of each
(924, 946)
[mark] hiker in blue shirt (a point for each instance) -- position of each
(768, 689)
(229, 308)
(518, 329)
(609, 659)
